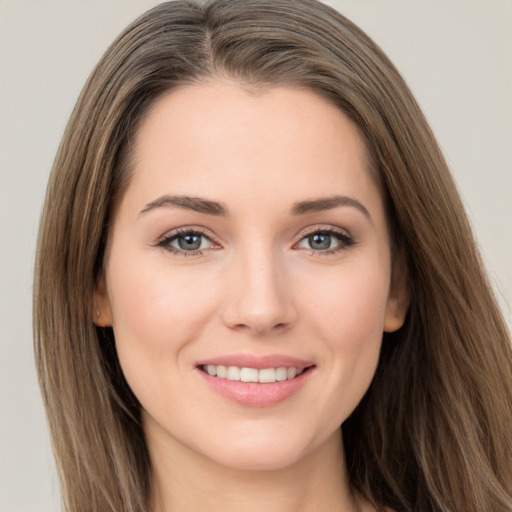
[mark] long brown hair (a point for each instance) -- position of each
(434, 431)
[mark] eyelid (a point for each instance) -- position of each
(346, 239)
(165, 240)
(182, 230)
(324, 228)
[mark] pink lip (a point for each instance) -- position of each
(252, 394)
(258, 362)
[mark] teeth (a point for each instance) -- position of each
(267, 375)
(264, 376)
(281, 374)
(233, 373)
(221, 371)
(249, 375)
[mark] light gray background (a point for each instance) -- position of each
(455, 54)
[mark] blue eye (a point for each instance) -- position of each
(320, 241)
(326, 240)
(190, 242)
(186, 242)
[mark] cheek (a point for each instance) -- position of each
(349, 314)
(350, 305)
(156, 309)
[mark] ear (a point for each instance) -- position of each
(102, 313)
(398, 298)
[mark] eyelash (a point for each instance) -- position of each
(343, 237)
(165, 241)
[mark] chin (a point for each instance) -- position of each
(262, 453)
(258, 459)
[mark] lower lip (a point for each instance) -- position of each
(254, 394)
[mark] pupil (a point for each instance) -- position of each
(189, 242)
(320, 241)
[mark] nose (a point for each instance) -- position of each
(260, 299)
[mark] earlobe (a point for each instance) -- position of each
(102, 315)
(398, 299)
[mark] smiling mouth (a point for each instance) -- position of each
(247, 374)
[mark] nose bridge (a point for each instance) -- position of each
(259, 298)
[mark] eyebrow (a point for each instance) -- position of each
(217, 209)
(328, 203)
(196, 204)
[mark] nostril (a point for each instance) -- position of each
(260, 328)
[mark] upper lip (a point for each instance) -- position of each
(258, 362)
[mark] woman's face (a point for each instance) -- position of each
(252, 244)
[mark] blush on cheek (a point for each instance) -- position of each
(155, 312)
(356, 310)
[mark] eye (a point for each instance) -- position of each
(326, 241)
(186, 242)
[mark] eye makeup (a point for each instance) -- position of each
(321, 241)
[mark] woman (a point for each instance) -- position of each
(250, 238)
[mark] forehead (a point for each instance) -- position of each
(215, 137)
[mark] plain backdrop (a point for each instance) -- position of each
(455, 54)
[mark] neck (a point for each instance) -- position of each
(184, 480)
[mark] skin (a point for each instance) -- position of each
(257, 286)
